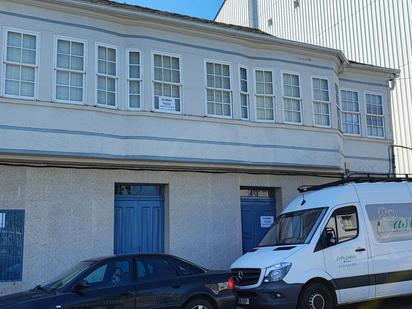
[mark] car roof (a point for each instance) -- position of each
(108, 257)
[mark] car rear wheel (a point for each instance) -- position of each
(199, 303)
(316, 296)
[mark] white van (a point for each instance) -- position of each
(342, 244)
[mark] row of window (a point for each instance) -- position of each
(21, 67)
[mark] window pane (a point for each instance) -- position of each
(11, 244)
(13, 54)
(76, 79)
(76, 94)
(134, 71)
(14, 39)
(63, 47)
(27, 89)
(27, 74)
(77, 63)
(62, 78)
(29, 41)
(154, 268)
(13, 72)
(28, 56)
(12, 87)
(62, 93)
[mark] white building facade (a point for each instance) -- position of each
(367, 31)
(124, 129)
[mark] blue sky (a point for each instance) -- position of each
(198, 8)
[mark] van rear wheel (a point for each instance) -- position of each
(316, 296)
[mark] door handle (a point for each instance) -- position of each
(128, 293)
(360, 250)
(176, 286)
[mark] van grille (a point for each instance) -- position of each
(246, 276)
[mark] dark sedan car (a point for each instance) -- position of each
(131, 282)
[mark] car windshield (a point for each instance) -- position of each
(293, 228)
(67, 276)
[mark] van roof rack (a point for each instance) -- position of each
(358, 178)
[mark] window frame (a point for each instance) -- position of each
(375, 115)
(247, 94)
(338, 107)
(167, 54)
(128, 79)
(357, 223)
(97, 74)
(36, 66)
(322, 102)
(55, 69)
(273, 95)
(230, 90)
(357, 113)
(300, 99)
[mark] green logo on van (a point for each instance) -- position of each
(402, 224)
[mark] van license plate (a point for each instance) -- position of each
(243, 301)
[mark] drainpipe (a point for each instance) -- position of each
(253, 14)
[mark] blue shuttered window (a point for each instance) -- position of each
(11, 244)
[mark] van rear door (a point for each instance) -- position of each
(347, 255)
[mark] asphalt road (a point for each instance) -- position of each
(398, 303)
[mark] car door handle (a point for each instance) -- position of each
(360, 250)
(176, 286)
(128, 293)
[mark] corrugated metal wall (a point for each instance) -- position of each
(235, 12)
(370, 31)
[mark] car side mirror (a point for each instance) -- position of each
(80, 286)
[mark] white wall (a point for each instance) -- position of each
(46, 128)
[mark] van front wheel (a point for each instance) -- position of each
(316, 296)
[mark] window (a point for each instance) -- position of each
(344, 223)
(244, 94)
(186, 269)
(134, 79)
(20, 65)
(374, 115)
(321, 102)
(2, 220)
(70, 71)
(106, 76)
(265, 98)
(350, 112)
(154, 268)
(337, 98)
(218, 89)
(11, 244)
(291, 99)
(167, 83)
(111, 274)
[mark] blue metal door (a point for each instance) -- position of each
(139, 220)
(257, 216)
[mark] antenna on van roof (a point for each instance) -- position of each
(358, 178)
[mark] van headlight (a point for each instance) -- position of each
(277, 272)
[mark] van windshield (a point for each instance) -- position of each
(293, 228)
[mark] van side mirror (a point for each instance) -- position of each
(327, 239)
(80, 286)
(330, 237)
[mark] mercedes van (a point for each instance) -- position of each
(346, 243)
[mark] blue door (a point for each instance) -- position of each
(139, 219)
(258, 214)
